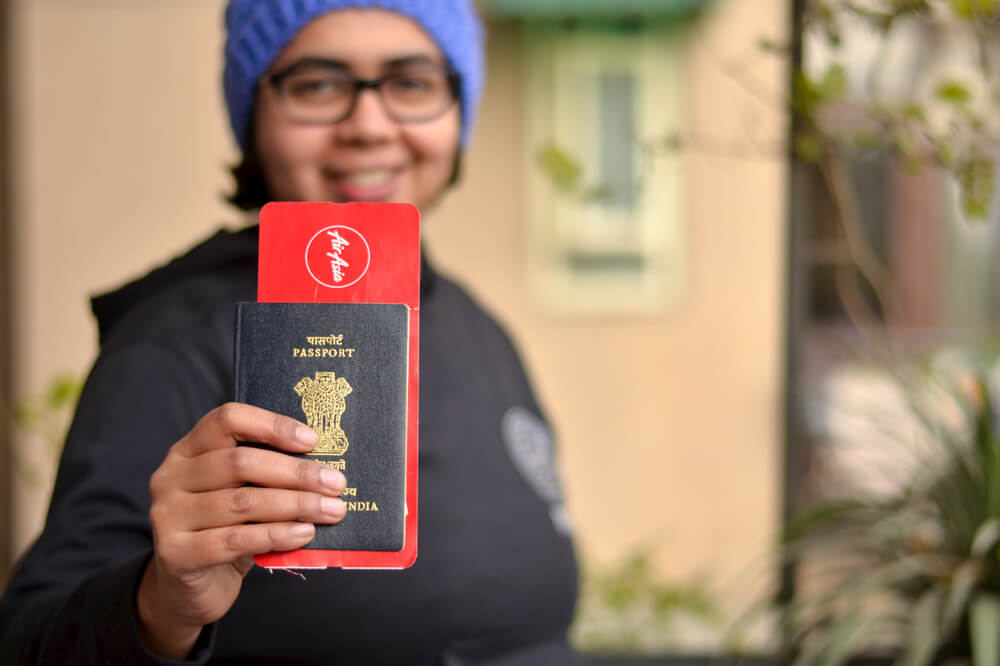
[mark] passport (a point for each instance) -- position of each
(341, 369)
(333, 341)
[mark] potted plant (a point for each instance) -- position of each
(910, 569)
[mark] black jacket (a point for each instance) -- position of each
(495, 577)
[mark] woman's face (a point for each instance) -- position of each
(367, 156)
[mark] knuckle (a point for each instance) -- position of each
(233, 540)
(165, 543)
(167, 553)
(309, 504)
(243, 459)
(227, 413)
(162, 477)
(306, 471)
(278, 425)
(158, 515)
(242, 500)
(276, 536)
(156, 482)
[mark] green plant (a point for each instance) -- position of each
(628, 607)
(913, 570)
(912, 83)
(945, 119)
(45, 416)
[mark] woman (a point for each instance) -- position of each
(146, 555)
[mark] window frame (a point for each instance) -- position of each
(585, 258)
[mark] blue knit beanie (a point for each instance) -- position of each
(257, 30)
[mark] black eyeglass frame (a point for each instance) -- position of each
(276, 79)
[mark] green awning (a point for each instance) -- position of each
(594, 9)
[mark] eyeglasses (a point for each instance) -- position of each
(320, 94)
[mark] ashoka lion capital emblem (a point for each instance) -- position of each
(323, 403)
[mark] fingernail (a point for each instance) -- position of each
(305, 436)
(332, 506)
(302, 529)
(332, 479)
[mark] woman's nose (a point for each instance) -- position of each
(368, 121)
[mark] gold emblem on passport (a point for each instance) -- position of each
(323, 403)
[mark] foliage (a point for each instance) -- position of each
(46, 417)
(947, 117)
(566, 173)
(914, 571)
(627, 607)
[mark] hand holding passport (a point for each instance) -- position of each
(207, 523)
(332, 344)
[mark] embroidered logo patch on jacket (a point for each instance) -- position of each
(529, 444)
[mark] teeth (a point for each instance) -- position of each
(368, 178)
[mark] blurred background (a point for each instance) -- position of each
(693, 275)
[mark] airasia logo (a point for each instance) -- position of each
(337, 257)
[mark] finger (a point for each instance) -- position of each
(224, 545)
(243, 565)
(234, 506)
(235, 422)
(240, 465)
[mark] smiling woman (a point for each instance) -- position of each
(156, 513)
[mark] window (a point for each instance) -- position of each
(604, 218)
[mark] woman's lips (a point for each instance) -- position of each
(369, 185)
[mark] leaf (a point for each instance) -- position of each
(673, 142)
(924, 633)
(560, 167)
(848, 636)
(953, 92)
(867, 140)
(805, 95)
(970, 9)
(906, 145)
(810, 93)
(25, 415)
(768, 45)
(822, 515)
(827, 16)
(945, 154)
(833, 85)
(597, 193)
(64, 391)
(808, 148)
(914, 111)
(963, 583)
(975, 181)
(986, 538)
(984, 630)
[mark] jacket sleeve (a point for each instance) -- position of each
(71, 599)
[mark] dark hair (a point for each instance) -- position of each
(251, 190)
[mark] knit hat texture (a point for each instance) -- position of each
(257, 31)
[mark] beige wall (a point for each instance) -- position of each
(669, 425)
(119, 147)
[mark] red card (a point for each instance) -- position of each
(339, 253)
(320, 252)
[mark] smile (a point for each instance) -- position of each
(372, 178)
(369, 185)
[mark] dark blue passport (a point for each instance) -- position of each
(342, 369)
